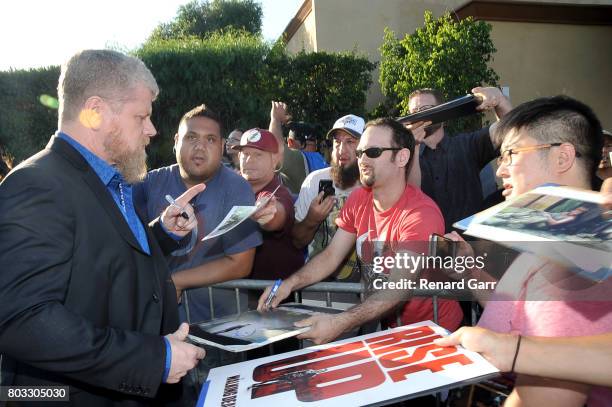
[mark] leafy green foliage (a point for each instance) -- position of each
(225, 72)
(199, 18)
(235, 73)
(445, 54)
(320, 87)
(25, 123)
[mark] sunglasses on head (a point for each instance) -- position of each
(375, 152)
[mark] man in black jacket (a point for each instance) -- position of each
(87, 301)
(447, 167)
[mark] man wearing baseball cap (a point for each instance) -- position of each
(315, 217)
(259, 160)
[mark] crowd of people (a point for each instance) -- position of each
(103, 262)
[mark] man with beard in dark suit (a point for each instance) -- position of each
(87, 299)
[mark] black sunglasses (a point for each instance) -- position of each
(375, 152)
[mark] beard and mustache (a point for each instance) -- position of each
(345, 176)
(369, 179)
(132, 165)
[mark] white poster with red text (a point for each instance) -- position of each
(395, 364)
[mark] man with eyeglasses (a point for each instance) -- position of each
(447, 167)
(379, 220)
(541, 144)
(554, 140)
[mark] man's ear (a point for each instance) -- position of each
(277, 159)
(403, 157)
(566, 157)
(176, 140)
(291, 143)
(92, 113)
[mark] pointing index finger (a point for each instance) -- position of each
(190, 194)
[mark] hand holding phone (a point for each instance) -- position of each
(327, 187)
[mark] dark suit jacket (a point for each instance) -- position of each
(81, 304)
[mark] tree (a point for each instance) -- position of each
(445, 54)
(202, 17)
(237, 74)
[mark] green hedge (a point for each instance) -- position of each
(449, 55)
(224, 72)
(235, 74)
(25, 123)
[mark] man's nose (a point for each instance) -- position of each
(199, 143)
(343, 147)
(502, 170)
(150, 130)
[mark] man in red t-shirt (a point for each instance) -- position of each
(381, 219)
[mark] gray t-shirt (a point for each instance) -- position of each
(223, 191)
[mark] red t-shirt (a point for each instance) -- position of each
(406, 225)
(277, 257)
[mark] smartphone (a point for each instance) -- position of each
(327, 186)
(441, 246)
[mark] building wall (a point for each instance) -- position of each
(533, 59)
(305, 38)
(359, 25)
(536, 59)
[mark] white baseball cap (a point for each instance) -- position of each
(350, 124)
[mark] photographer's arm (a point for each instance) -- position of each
(492, 98)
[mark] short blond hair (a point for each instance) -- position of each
(105, 73)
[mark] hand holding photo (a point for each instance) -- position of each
(253, 329)
(237, 215)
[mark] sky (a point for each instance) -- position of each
(35, 33)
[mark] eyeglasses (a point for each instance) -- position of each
(375, 152)
(421, 108)
(506, 155)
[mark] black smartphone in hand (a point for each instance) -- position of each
(327, 186)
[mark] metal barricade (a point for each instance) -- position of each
(325, 287)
